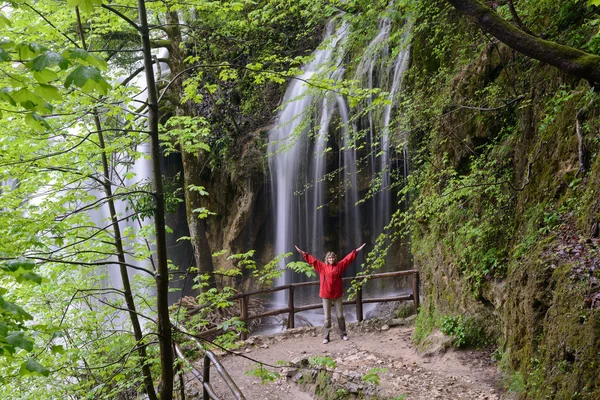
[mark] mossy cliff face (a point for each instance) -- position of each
(506, 201)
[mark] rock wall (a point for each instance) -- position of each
(506, 220)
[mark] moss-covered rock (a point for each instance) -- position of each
(506, 202)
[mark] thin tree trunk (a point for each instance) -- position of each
(118, 242)
(162, 275)
(192, 162)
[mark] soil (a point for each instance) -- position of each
(453, 374)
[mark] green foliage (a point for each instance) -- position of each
(265, 376)
(424, 325)
(33, 367)
(217, 298)
(468, 213)
(372, 376)
(302, 268)
(454, 326)
(271, 270)
(185, 133)
(322, 362)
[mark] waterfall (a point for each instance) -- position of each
(372, 73)
(303, 168)
(352, 217)
(289, 148)
(383, 203)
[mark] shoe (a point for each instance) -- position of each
(325, 341)
(345, 337)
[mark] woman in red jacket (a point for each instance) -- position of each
(330, 276)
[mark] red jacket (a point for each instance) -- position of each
(330, 275)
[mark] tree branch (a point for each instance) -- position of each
(568, 59)
(52, 25)
(121, 15)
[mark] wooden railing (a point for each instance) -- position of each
(244, 299)
(209, 358)
(292, 309)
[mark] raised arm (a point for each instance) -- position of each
(350, 257)
(300, 251)
(316, 264)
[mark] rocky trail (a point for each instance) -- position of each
(404, 373)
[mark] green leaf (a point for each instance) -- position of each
(57, 349)
(7, 44)
(28, 99)
(14, 310)
(19, 263)
(202, 212)
(264, 374)
(4, 95)
(29, 277)
(86, 6)
(80, 75)
(33, 367)
(3, 330)
(87, 58)
(372, 376)
(96, 86)
(321, 361)
(28, 50)
(48, 92)
(4, 56)
(302, 268)
(200, 189)
(88, 79)
(593, 3)
(76, 54)
(4, 22)
(46, 60)
(36, 122)
(45, 76)
(18, 339)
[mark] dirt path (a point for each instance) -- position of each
(452, 375)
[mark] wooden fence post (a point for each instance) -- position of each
(205, 377)
(359, 305)
(291, 314)
(244, 315)
(415, 288)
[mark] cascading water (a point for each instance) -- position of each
(297, 216)
(383, 202)
(351, 227)
(302, 168)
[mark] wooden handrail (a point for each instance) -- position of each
(292, 309)
(314, 283)
(209, 356)
(204, 378)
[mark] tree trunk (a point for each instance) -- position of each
(565, 58)
(135, 322)
(162, 270)
(128, 294)
(192, 162)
